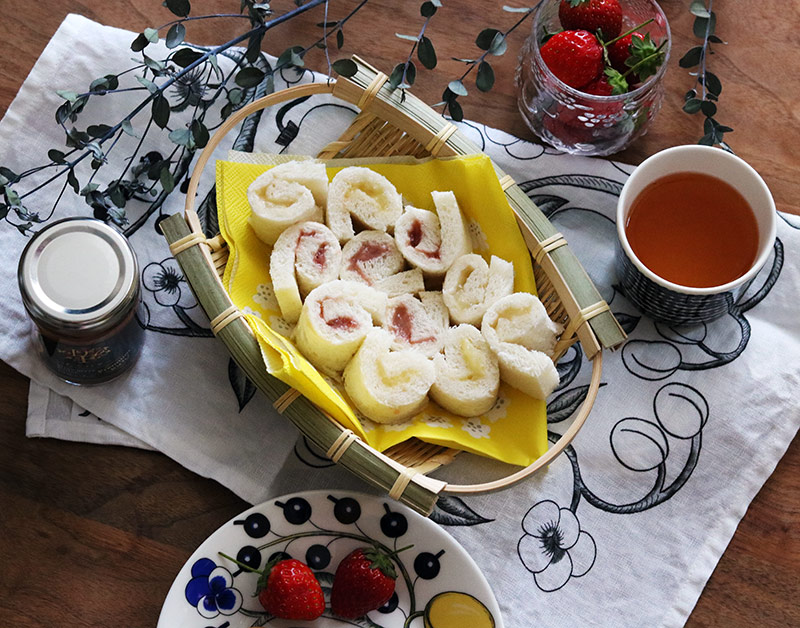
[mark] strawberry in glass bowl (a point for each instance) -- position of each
(590, 76)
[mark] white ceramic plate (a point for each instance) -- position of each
(438, 584)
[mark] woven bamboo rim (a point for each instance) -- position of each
(389, 126)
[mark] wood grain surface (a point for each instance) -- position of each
(94, 535)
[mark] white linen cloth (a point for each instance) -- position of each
(623, 531)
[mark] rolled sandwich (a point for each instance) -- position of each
(292, 192)
(370, 257)
(334, 321)
(305, 256)
(387, 386)
(412, 327)
(522, 336)
(364, 195)
(471, 286)
(467, 373)
(432, 241)
(407, 282)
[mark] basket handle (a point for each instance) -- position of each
(298, 91)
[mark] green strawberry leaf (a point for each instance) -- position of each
(618, 83)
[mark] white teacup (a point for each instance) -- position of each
(670, 302)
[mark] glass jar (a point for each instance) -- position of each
(79, 282)
(579, 123)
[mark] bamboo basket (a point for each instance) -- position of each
(391, 125)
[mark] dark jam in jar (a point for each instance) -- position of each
(79, 282)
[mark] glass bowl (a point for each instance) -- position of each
(576, 122)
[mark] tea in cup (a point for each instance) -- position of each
(695, 225)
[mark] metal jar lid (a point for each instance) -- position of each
(77, 276)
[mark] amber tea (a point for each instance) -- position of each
(693, 230)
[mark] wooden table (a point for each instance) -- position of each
(93, 535)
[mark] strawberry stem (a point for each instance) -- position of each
(626, 33)
(647, 58)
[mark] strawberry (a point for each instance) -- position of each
(575, 57)
(599, 87)
(288, 589)
(364, 581)
(619, 52)
(592, 15)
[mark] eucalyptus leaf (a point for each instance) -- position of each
(254, 46)
(175, 35)
(160, 111)
(181, 137)
(706, 140)
(396, 76)
(345, 67)
(456, 112)
(235, 96)
(692, 105)
(516, 9)
(127, 127)
(691, 58)
(140, 43)
(67, 95)
(116, 195)
(181, 8)
(3, 210)
(457, 87)
(151, 87)
(185, 57)
(698, 8)
(426, 53)
(485, 79)
(98, 130)
(486, 38)
(73, 180)
(156, 66)
(56, 156)
(167, 180)
(411, 75)
(151, 34)
(199, 133)
(428, 9)
(406, 37)
(339, 38)
(708, 108)
(499, 45)
(712, 83)
(703, 25)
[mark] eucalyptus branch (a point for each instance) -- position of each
(404, 74)
(492, 42)
(709, 84)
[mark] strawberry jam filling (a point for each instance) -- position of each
(368, 251)
(402, 326)
(415, 237)
(320, 257)
(343, 323)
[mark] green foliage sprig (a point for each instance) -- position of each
(704, 94)
(493, 43)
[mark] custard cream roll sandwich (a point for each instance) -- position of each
(361, 194)
(522, 336)
(292, 192)
(467, 373)
(388, 386)
(471, 286)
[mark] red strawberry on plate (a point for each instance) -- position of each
(289, 589)
(575, 57)
(364, 581)
(592, 15)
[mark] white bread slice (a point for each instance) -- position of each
(288, 193)
(387, 386)
(522, 336)
(363, 194)
(471, 286)
(370, 257)
(407, 282)
(334, 321)
(434, 305)
(467, 373)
